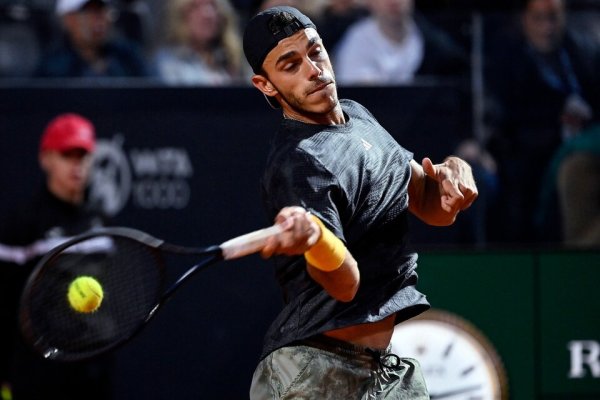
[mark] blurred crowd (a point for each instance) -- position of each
(533, 65)
(198, 42)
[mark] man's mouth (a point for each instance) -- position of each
(320, 87)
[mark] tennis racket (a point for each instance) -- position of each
(130, 266)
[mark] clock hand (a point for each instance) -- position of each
(454, 392)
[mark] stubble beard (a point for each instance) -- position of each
(297, 103)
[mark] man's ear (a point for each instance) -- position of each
(264, 85)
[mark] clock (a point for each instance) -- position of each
(457, 360)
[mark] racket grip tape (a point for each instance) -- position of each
(328, 253)
(249, 243)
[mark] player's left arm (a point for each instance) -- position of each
(438, 192)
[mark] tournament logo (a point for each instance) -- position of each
(110, 182)
(148, 178)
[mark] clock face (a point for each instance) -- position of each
(457, 361)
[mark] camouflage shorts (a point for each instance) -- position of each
(333, 370)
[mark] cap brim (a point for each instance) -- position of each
(75, 145)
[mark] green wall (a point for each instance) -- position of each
(530, 305)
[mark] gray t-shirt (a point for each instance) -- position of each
(354, 177)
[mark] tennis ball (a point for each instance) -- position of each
(85, 294)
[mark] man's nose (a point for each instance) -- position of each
(314, 69)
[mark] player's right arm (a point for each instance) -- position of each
(329, 263)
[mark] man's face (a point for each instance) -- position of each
(543, 24)
(89, 27)
(67, 172)
(298, 69)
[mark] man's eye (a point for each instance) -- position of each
(317, 52)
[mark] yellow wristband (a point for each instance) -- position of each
(328, 253)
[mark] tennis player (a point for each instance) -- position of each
(342, 187)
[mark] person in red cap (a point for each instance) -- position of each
(89, 45)
(66, 148)
(56, 213)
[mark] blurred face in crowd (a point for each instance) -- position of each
(90, 26)
(544, 23)
(67, 172)
(203, 20)
(299, 72)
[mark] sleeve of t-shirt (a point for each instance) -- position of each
(300, 180)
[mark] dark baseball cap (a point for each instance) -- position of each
(267, 28)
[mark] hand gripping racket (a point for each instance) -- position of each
(130, 266)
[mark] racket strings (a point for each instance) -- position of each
(132, 277)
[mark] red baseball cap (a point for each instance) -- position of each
(69, 131)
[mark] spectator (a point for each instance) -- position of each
(579, 194)
(543, 82)
(203, 45)
(19, 44)
(571, 190)
(393, 45)
(58, 211)
(88, 47)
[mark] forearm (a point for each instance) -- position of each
(342, 283)
(332, 266)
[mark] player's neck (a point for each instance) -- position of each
(333, 117)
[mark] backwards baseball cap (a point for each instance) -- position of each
(66, 6)
(267, 28)
(68, 131)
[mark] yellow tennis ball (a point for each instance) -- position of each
(85, 294)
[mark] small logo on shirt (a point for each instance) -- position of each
(366, 144)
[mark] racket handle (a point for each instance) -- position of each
(249, 243)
